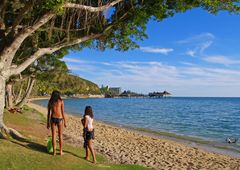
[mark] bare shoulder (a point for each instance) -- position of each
(60, 101)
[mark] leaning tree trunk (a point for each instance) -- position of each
(19, 94)
(27, 94)
(18, 99)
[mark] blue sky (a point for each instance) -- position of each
(190, 54)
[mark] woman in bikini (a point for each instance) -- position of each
(56, 118)
(87, 122)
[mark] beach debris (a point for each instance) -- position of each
(231, 140)
(13, 110)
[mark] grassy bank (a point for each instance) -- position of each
(31, 153)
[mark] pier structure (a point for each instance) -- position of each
(159, 94)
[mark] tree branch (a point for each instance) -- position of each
(92, 9)
(50, 50)
(3, 5)
(20, 17)
(9, 52)
(2, 24)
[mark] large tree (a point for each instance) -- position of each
(30, 29)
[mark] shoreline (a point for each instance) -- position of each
(131, 146)
(194, 142)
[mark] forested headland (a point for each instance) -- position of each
(66, 83)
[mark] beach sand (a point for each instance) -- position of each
(126, 146)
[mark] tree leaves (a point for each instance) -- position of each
(121, 28)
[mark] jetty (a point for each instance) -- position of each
(159, 94)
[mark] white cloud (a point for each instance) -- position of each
(187, 63)
(72, 60)
(221, 60)
(200, 37)
(164, 51)
(191, 53)
(82, 68)
(198, 43)
(157, 76)
(204, 46)
(187, 80)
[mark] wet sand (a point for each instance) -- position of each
(127, 146)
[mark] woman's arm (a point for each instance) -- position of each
(62, 110)
(48, 118)
(85, 122)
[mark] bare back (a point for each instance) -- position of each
(57, 109)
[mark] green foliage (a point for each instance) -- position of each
(64, 82)
(213, 6)
(56, 5)
(53, 5)
(122, 30)
(129, 22)
(104, 89)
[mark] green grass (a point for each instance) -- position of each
(32, 154)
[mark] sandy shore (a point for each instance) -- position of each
(126, 146)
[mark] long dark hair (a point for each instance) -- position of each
(54, 98)
(88, 111)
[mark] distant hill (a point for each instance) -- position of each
(66, 83)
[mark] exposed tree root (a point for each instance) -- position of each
(6, 133)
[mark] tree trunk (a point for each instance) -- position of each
(18, 99)
(9, 95)
(6, 102)
(2, 102)
(28, 92)
(4, 130)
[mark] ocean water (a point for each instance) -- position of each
(210, 119)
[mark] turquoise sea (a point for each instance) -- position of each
(205, 118)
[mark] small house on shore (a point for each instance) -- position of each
(115, 90)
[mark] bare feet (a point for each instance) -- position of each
(87, 158)
(94, 162)
(61, 153)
